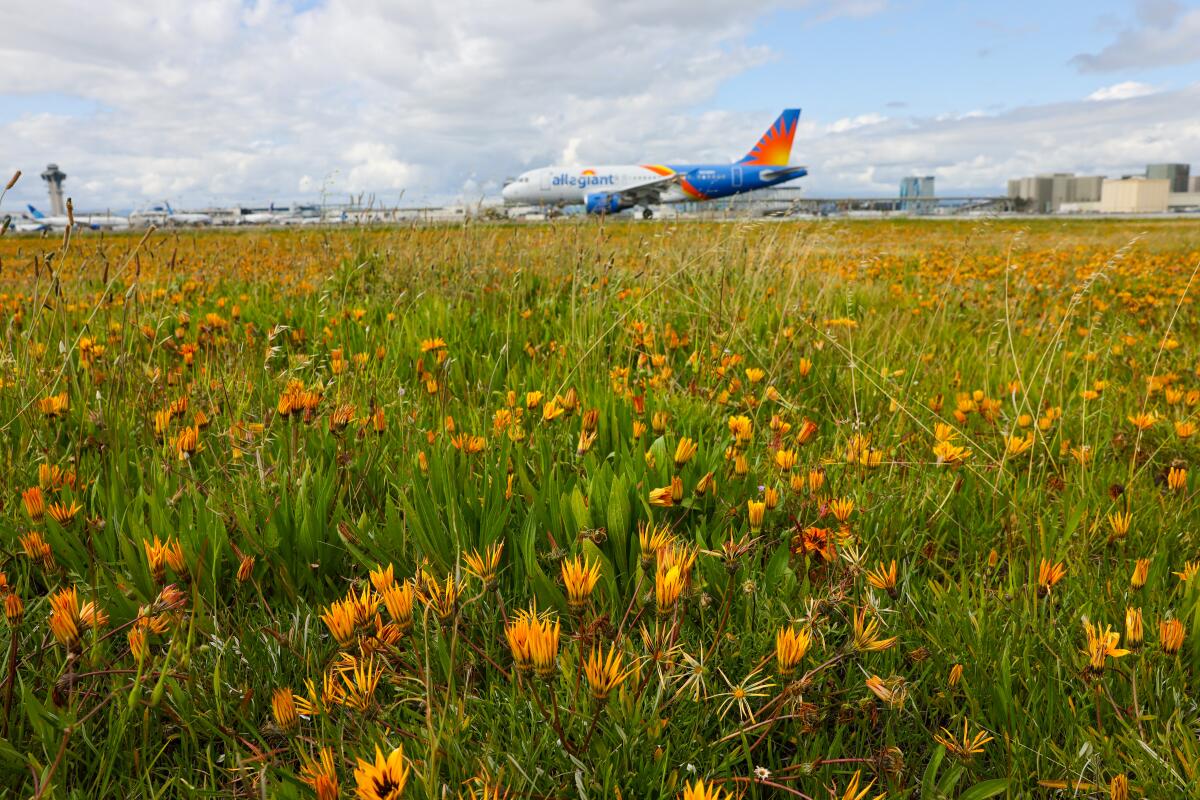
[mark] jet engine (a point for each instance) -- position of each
(605, 203)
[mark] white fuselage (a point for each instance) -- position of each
(561, 186)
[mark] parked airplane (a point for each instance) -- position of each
(165, 215)
(609, 189)
(39, 221)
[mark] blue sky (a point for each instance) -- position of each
(939, 57)
(214, 102)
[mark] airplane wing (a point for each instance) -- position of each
(649, 193)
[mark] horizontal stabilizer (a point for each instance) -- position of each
(784, 172)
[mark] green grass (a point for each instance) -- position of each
(639, 321)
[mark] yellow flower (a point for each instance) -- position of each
(1133, 627)
(1049, 574)
(955, 675)
(967, 746)
(658, 422)
(65, 617)
(35, 506)
(668, 496)
(1120, 522)
(485, 565)
(359, 677)
(54, 405)
(398, 600)
(883, 577)
(790, 648)
(1190, 570)
(1170, 635)
(785, 459)
(156, 557)
(1017, 445)
(842, 508)
(187, 443)
(703, 791)
(853, 790)
(382, 577)
(1141, 569)
(807, 430)
(552, 410)
(1142, 421)
(139, 648)
(755, 510)
(283, 706)
(518, 633)
(14, 609)
(892, 691)
(1176, 479)
(652, 539)
(1118, 788)
(668, 585)
(866, 633)
(684, 451)
(62, 513)
(604, 673)
(339, 617)
(1101, 644)
(434, 344)
(944, 433)
(543, 647)
(383, 780)
(441, 599)
(579, 577)
(951, 454)
(742, 430)
(321, 775)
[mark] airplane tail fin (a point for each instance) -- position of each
(33, 212)
(775, 147)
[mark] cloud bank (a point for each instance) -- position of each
(226, 101)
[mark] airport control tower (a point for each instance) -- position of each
(54, 177)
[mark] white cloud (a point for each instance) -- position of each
(979, 153)
(1163, 35)
(223, 100)
(1122, 91)
(850, 123)
(250, 102)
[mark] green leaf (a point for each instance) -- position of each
(985, 789)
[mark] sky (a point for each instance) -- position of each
(217, 102)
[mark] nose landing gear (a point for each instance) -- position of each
(647, 213)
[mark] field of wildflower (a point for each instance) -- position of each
(838, 510)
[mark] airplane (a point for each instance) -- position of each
(164, 214)
(609, 189)
(247, 217)
(40, 221)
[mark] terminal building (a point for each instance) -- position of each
(1161, 188)
(1047, 193)
(916, 193)
(1175, 174)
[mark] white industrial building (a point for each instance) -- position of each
(1161, 188)
(1045, 194)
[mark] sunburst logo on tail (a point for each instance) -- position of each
(775, 147)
